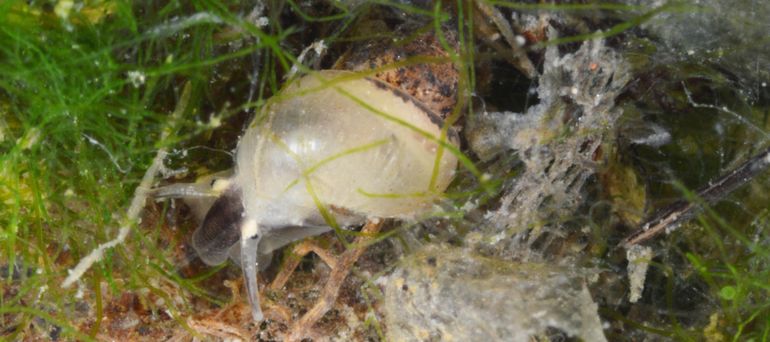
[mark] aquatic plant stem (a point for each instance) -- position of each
(670, 217)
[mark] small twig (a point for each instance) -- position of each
(303, 327)
(675, 214)
(291, 263)
(218, 329)
(140, 196)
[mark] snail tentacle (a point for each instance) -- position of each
(250, 237)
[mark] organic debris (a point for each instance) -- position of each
(557, 140)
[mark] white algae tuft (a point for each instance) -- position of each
(446, 293)
(557, 140)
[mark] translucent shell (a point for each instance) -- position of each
(355, 145)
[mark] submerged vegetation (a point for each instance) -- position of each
(88, 88)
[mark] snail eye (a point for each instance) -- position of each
(220, 229)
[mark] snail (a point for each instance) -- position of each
(332, 148)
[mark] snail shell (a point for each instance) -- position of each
(330, 142)
(359, 145)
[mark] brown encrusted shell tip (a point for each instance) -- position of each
(433, 84)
